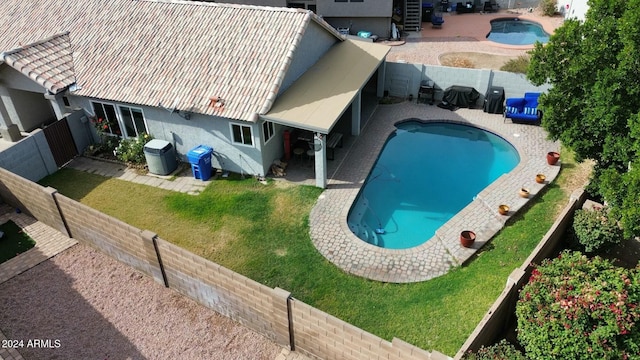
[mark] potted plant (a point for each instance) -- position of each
(467, 237)
(552, 157)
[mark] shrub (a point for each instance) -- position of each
(518, 65)
(579, 308)
(131, 151)
(503, 350)
(596, 230)
(107, 143)
(549, 7)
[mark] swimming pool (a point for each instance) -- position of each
(424, 175)
(513, 31)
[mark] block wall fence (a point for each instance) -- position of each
(271, 312)
(502, 313)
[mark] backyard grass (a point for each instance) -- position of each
(261, 231)
(14, 241)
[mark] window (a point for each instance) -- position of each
(267, 129)
(133, 121)
(107, 112)
(341, 0)
(65, 101)
(242, 134)
(357, 0)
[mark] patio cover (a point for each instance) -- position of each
(320, 96)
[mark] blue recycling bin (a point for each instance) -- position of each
(200, 159)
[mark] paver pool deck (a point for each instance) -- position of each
(328, 219)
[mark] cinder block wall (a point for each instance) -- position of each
(30, 157)
(502, 311)
(318, 334)
(403, 79)
(270, 312)
(31, 198)
(112, 236)
(244, 300)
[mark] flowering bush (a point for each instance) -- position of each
(131, 151)
(596, 230)
(574, 307)
(107, 143)
(503, 350)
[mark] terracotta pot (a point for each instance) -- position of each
(552, 157)
(503, 209)
(467, 238)
(524, 192)
(540, 178)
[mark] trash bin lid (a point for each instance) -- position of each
(199, 152)
(157, 146)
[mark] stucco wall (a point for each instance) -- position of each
(367, 8)
(13, 79)
(33, 108)
(576, 9)
(200, 130)
(30, 157)
(380, 26)
(403, 79)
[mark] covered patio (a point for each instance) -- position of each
(317, 101)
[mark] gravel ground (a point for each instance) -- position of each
(92, 307)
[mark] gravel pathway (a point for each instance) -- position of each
(90, 306)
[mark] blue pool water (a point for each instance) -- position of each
(517, 32)
(424, 175)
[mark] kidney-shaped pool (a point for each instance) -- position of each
(424, 175)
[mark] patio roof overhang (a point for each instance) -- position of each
(317, 100)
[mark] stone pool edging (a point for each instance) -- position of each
(328, 219)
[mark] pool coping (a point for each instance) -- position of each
(332, 237)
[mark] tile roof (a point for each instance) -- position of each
(158, 51)
(48, 62)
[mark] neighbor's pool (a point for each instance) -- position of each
(514, 31)
(424, 175)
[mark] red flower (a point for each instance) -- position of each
(105, 127)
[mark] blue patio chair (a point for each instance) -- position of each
(437, 20)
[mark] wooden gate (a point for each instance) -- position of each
(60, 142)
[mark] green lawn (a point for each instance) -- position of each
(261, 231)
(14, 241)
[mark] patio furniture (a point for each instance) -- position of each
(524, 109)
(334, 140)
(427, 89)
(465, 8)
(461, 96)
(490, 6)
(437, 20)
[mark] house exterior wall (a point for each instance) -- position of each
(366, 8)
(380, 26)
(28, 99)
(199, 130)
(34, 110)
(14, 79)
(573, 9)
(276, 3)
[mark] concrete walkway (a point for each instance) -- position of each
(180, 180)
(330, 232)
